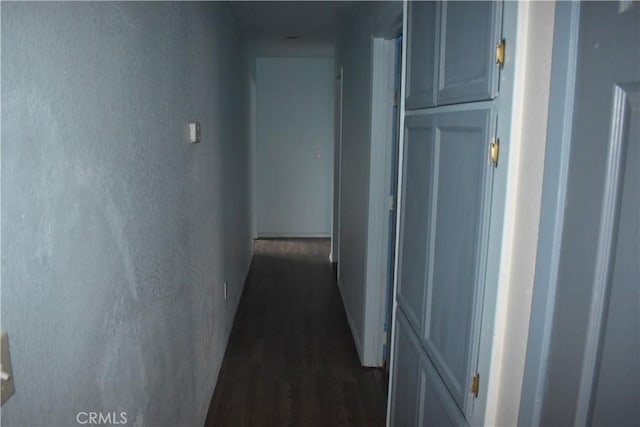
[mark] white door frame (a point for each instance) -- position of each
(334, 255)
(377, 265)
(565, 52)
(399, 189)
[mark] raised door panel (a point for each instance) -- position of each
(437, 408)
(406, 375)
(617, 389)
(467, 68)
(457, 247)
(422, 45)
(416, 204)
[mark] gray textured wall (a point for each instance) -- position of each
(116, 233)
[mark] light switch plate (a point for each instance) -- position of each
(194, 132)
(7, 387)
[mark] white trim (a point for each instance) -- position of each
(504, 106)
(497, 352)
(223, 349)
(294, 235)
(253, 158)
(565, 45)
(399, 189)
(525, 182)
(379, 177)
(339, 246)
(334, 255)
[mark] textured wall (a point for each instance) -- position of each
(116, 233)
(294, 120)
(355, 56)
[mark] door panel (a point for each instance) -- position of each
(416, 200)
(618, 382)
(593, 373)
(437, 407)
(467, 69)
(422, 48)
(420, 396)
(406, 378)
(462, 179)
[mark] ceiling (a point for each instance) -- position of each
(309, 21)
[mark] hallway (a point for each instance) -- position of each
(234, 213)
(291, 358)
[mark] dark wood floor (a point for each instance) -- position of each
(291, 360)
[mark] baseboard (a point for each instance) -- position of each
(304, 235)
(223, 350)
(354, 332)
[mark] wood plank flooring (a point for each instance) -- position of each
(291, 360)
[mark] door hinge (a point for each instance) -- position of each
(494, 151)
(391, 202)
(500, 52)
(396, 98)
(475, 385)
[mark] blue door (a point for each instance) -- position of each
(589, 374)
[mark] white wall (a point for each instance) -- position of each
(354, 54)
(117, 234)
(294, 146)
(367, 120)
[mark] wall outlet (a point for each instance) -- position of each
(6, 381)
(224, 287)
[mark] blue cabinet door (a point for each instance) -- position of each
(443, 241)
(405, 387)
(436, 407)
(421, 398)
(444, 218)
(461, 181)
(469, 33)
(451, 52)
(422, 53)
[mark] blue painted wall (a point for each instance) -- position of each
(117, 234)
(295, 104)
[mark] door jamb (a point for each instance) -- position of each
(379, 177)
(334, 255)
(398, 201)
(556, 166)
